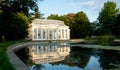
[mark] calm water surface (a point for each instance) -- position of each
(62, 56)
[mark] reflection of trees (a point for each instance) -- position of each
(109, 59)
(23, 54)
(78, 57)
(38, 67)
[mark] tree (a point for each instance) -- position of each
(14, 26)
(67, 18)
(13, 20)
(80, 26)
(54, 16)
(18, 5)
(37, 14)
(107, 18)
(95, 27)
(116, 29)
(0, 27)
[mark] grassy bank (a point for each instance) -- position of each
(4, 61)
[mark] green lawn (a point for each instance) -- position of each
(4, 61)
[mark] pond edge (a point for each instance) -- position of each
(14, 59)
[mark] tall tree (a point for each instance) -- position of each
(13, 20)
(68, 18)
(54, 16)
(13, 26)
(95, 26)
(107, 17)
(18, 5)
(116, 29)
(80, 26)
(37, 14)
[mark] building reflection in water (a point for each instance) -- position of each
(56, 54)
(40, 54)
(60, 56)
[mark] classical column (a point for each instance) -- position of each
(37, 33)
(61, 34)
(48, 33)
(53, 34)
(68, 36)
(57, 34)
(64, 34)
(41, 33)
(33, 33)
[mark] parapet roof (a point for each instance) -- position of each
(48, 22)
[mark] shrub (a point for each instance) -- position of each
(105, 40)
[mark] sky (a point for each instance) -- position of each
(63, 7)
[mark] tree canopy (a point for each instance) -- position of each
(18, 5)
(14, 18)
(80, 26)
(116, 30)
(54, 16)
(13, 26)
(38, 14)
(66, 18)
(79, 23)
(107, 17)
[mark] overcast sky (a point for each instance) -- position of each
(62, 7)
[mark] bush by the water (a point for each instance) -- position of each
(105, 40)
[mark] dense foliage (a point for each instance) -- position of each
(107, 18)
(54, 16)
(66, 18)
(13, 26)
(18, 5)
(79, 23)
(105, 40)
(80, 26)
(116, 29)
(14, 18)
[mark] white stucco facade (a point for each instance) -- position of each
(44, 29)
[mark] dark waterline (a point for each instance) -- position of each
(59, 56)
